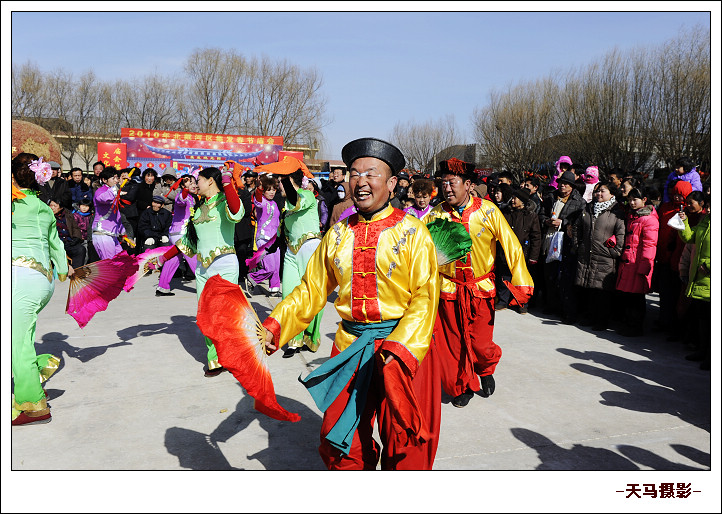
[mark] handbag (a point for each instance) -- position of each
(555, 246)
(676, 222)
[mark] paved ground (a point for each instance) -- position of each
(131, 395)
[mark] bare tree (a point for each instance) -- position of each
(213, 83)
(422, 143)
(514, 122)
(28, 92)
(682, 117)
(285, 101)
(617, 112)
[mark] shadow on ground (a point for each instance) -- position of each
(182, 326)
(56, 344)
(589, 458)
(291, 446)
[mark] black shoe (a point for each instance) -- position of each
(488, 385)
(161, 293)
(523, 309)
(188, 277)
(500, 306)
(290, 352)
(463, 399)
(214, 372)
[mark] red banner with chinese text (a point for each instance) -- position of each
(113, 154)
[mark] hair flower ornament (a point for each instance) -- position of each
(42, 171)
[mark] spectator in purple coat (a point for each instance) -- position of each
(684, 169)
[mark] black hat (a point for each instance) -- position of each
(160, 199)
(457, 167)
(372, 147)
(568, 176)
(250, 173)
(522, 194)
(403, 175)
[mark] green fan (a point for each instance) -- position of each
(451, 239)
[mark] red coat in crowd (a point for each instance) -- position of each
(640, 247)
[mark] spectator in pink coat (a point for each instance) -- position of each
(634, 276)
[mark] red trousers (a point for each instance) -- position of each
(397, 452)
(461, 361)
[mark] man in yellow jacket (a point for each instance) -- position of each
(382, 364)
(465, 327)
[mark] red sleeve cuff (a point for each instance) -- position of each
(274, 328)
(234, 203)
(403, 354)
(171, 253)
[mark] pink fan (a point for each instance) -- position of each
(147, 262)
(226, 317)
(259, 254)
(94, 285)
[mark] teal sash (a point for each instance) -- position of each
(328, 380)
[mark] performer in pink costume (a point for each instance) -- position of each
(269, 218)
(107, 226)
(184, 202)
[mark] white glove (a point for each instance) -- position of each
(149, 241)
(164, 239)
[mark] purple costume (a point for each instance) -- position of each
(181, 213)
(417, 213)
(269, 268)
(107, 226)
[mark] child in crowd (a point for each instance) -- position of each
(84, 218)
(265, 264)
(421, 191)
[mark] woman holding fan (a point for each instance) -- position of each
(208, 236)
(38, 258)
(185, 201)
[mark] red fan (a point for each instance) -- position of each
(226, 317)
(147, 262)
(94, 285)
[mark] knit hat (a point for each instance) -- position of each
(563, 159)
(681, 187)
(591, 175)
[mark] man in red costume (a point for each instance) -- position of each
(465, 325)
(382, 364)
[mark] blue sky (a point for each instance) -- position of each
(379, 68)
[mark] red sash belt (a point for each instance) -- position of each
(464, 294)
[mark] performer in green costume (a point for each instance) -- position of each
(38, 258)
(209, 236)
(301, 228)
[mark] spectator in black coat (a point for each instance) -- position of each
(243, 232)
(154, 225)
(525, 224)
(560, 209)
(78, 188)
(56, 189)
(147, 189)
